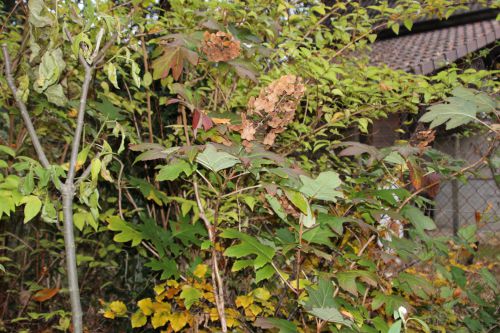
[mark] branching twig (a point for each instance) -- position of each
(240, 190)
(461, 171)
(284, 279)
(217, 282)
(148, 94)
(299, 253)
(24, 111)
(68, 188)
(363, 248)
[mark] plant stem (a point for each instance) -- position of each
(299, 252)
(217, 282)
(68, 194)
(459, 172)
(24, 110)
(148, 94)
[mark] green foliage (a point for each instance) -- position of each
(321, 188)
(461, 108)
(184, 191)
(250, 246)
(321, 304)
(215, 160)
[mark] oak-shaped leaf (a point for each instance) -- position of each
(390, 302)
(172, 59)
(215, 160)
(250, 246)
(323, 187)
(459, 109)
(138, 319)
(126, 233)
(418, 218)
(322, 304)
(347, 280)
(167, 267)
(415, 284)
(172, 171)
(190, 295)
(357, 149)
(284, 326)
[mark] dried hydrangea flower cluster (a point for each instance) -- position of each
(275, 106)
(220, 46)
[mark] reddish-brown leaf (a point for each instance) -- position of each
(196, 119)
(45, 294)
(433, 182)
(415, 175)
(207, 122)
(177, 64)
(477, 216)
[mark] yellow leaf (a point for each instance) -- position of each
(118, 307)
(255, 309)
(159, 319)
(337, 116)
(347, 314)
(173, 283)
(219, 247)
(146, 306)
(209, 296)
(200, 270)
(231, 315)
(244, 301)
(302, 282)
(221, 121)
(109, 314)
(72, 113)
(159, 289)
(178, 320)
(214, 315)
(138, 319)
(203, 286)
(152, 196)
(162, 307)
(261, 294)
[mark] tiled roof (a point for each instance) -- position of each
(425, 52)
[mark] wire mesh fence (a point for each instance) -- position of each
(474, 202)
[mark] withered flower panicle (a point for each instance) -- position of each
(276, 106)
(220, 46)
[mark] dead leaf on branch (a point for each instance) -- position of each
(422, 138)
(432, 182)
(248, 128)
(45, 294)
(172, 59)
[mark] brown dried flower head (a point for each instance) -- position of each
(424, 138)
(276, 105)
(220, 46)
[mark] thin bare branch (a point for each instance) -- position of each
(98, 43)
(241, 190)
(24, 110)
(217, 282)
(459, 172)
(102, 53)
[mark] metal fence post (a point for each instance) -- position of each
(454, 191)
